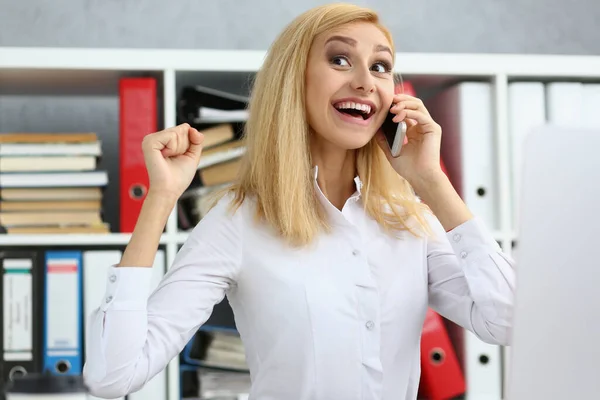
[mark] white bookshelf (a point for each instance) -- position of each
(82, 69)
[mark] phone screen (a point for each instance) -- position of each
(389, 128)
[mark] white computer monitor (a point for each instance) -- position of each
(555, 353)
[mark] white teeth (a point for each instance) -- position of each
(365, 108)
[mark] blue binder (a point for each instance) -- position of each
(63, 321)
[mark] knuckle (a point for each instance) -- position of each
(147, 139)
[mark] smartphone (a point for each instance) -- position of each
(394, 134)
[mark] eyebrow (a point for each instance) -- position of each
(352, 42)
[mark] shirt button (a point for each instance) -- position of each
(370, 325)
(109, 299)
(463, 254)
(355, 252)
(113, 278)
(456, 237)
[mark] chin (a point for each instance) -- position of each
(351, 140)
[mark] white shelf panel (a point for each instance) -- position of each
(512, 65)
(69, 239)
(181, 237)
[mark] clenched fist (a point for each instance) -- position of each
(172, 158)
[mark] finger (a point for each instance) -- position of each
(424, 120)
(166, 139)
(196, 140)
(183, 139)
(173, 141)
(403, 96)
(410, 122)
(412, 105)
(168, 142)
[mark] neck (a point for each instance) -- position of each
(337, 169)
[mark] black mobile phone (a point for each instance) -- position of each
(394, 133)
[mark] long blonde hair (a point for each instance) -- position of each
(276, 168)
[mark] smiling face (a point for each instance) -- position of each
(349, 84)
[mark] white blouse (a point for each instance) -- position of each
(340, 320)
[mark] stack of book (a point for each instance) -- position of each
(219, 357)
(220, 116)
(49, 183)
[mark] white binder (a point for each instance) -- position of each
(156, 388)
(482, 369)
(95, 272)
(526, 111)
(591, 106)
(564, 102)
(464, 112)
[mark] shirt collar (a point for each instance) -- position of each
(355, 196)
(357, 182)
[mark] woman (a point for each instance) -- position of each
(327, 258)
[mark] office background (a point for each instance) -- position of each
(68, 100)
(448, 26)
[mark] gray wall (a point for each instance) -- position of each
(494, 26)
(79, 103)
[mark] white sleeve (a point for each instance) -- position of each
(131, 337)
(471, 281)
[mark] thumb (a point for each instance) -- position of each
(196, 143)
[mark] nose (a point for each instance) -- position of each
(362, 80)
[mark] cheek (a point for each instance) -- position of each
(317, 99)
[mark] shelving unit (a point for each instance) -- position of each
(78, 71)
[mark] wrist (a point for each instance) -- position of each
(430, 181)
(161, 203)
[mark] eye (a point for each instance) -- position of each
(340, 60)
(382, 67)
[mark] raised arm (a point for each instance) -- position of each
(132, 336)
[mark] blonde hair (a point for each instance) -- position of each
(276, 168)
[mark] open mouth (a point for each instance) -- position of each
(355, 110)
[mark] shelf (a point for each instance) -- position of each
(181, 237)
(69, 239)
(459, 64)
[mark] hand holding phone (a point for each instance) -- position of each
(394, 133)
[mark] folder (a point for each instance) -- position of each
(464, 112)
(204, 105)
(95, 271)
(20, 327)
(564, 102)
(526, 111)
(591, 105)
(483, 368)
(441, 374)
(155, 388)
(137, 118)
(62, 315)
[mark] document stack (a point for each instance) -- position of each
(217, 357)
(220, 116)
(49, 183)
